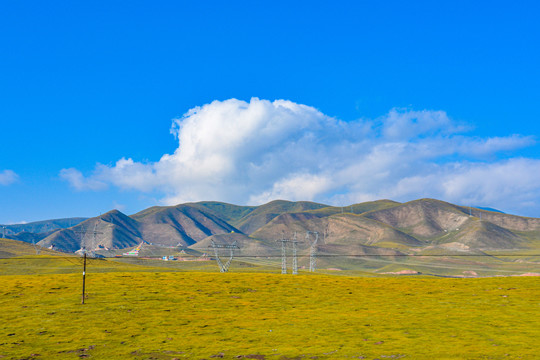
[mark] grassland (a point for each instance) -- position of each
(142, 312)
(14, 248)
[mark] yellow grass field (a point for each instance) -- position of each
(204, 315)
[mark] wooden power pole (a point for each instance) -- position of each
(83, 276)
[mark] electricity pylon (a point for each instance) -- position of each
(313, 251)
(36, 246)
(284, 242)
(224, 267)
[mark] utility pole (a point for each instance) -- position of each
(83, 278)
(95, 232)
(294, 259)
(83, 233)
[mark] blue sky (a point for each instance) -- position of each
(402, 99)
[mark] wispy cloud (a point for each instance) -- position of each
(8, 177)
(79, 182)
(256, 151)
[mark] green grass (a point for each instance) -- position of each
(195, 315)
(45, 264)
(12, 248)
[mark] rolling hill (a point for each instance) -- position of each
(360, 228)
(13, 248)
(37, 230)
(263, 214)
(166, 226)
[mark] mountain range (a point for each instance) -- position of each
(378, 227)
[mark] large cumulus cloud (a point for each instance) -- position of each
(257, 151)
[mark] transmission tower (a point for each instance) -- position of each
(36, 246)
(284, 242)
(94, 233)
(224, 267)
(313, 250)
(82, 232)
(295, 258)
(326, 232)
(283, 256)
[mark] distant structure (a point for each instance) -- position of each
(231, 247)
(94, 233)
(294, 243)
(134, 252)
(36, 246)
(82, 232)
(312, 250)
(326, 232)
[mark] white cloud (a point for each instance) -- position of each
(8, 177)
(296, 187)
(79, 182)
(512, 185)
(410, 124)
(256, 151)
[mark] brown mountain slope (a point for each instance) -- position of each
(511, 222)
(248, 246)
(263, 214)
(63, 240)
(186, 224)
(45, 226)
(30, 237)
(422, 218)
(348, 229)
(114, 230)
(289, 223)
(384, 224)
(340, 229)
(484, 235)
(356, 250)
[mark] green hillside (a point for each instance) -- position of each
(12, 248)
(229, 212)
